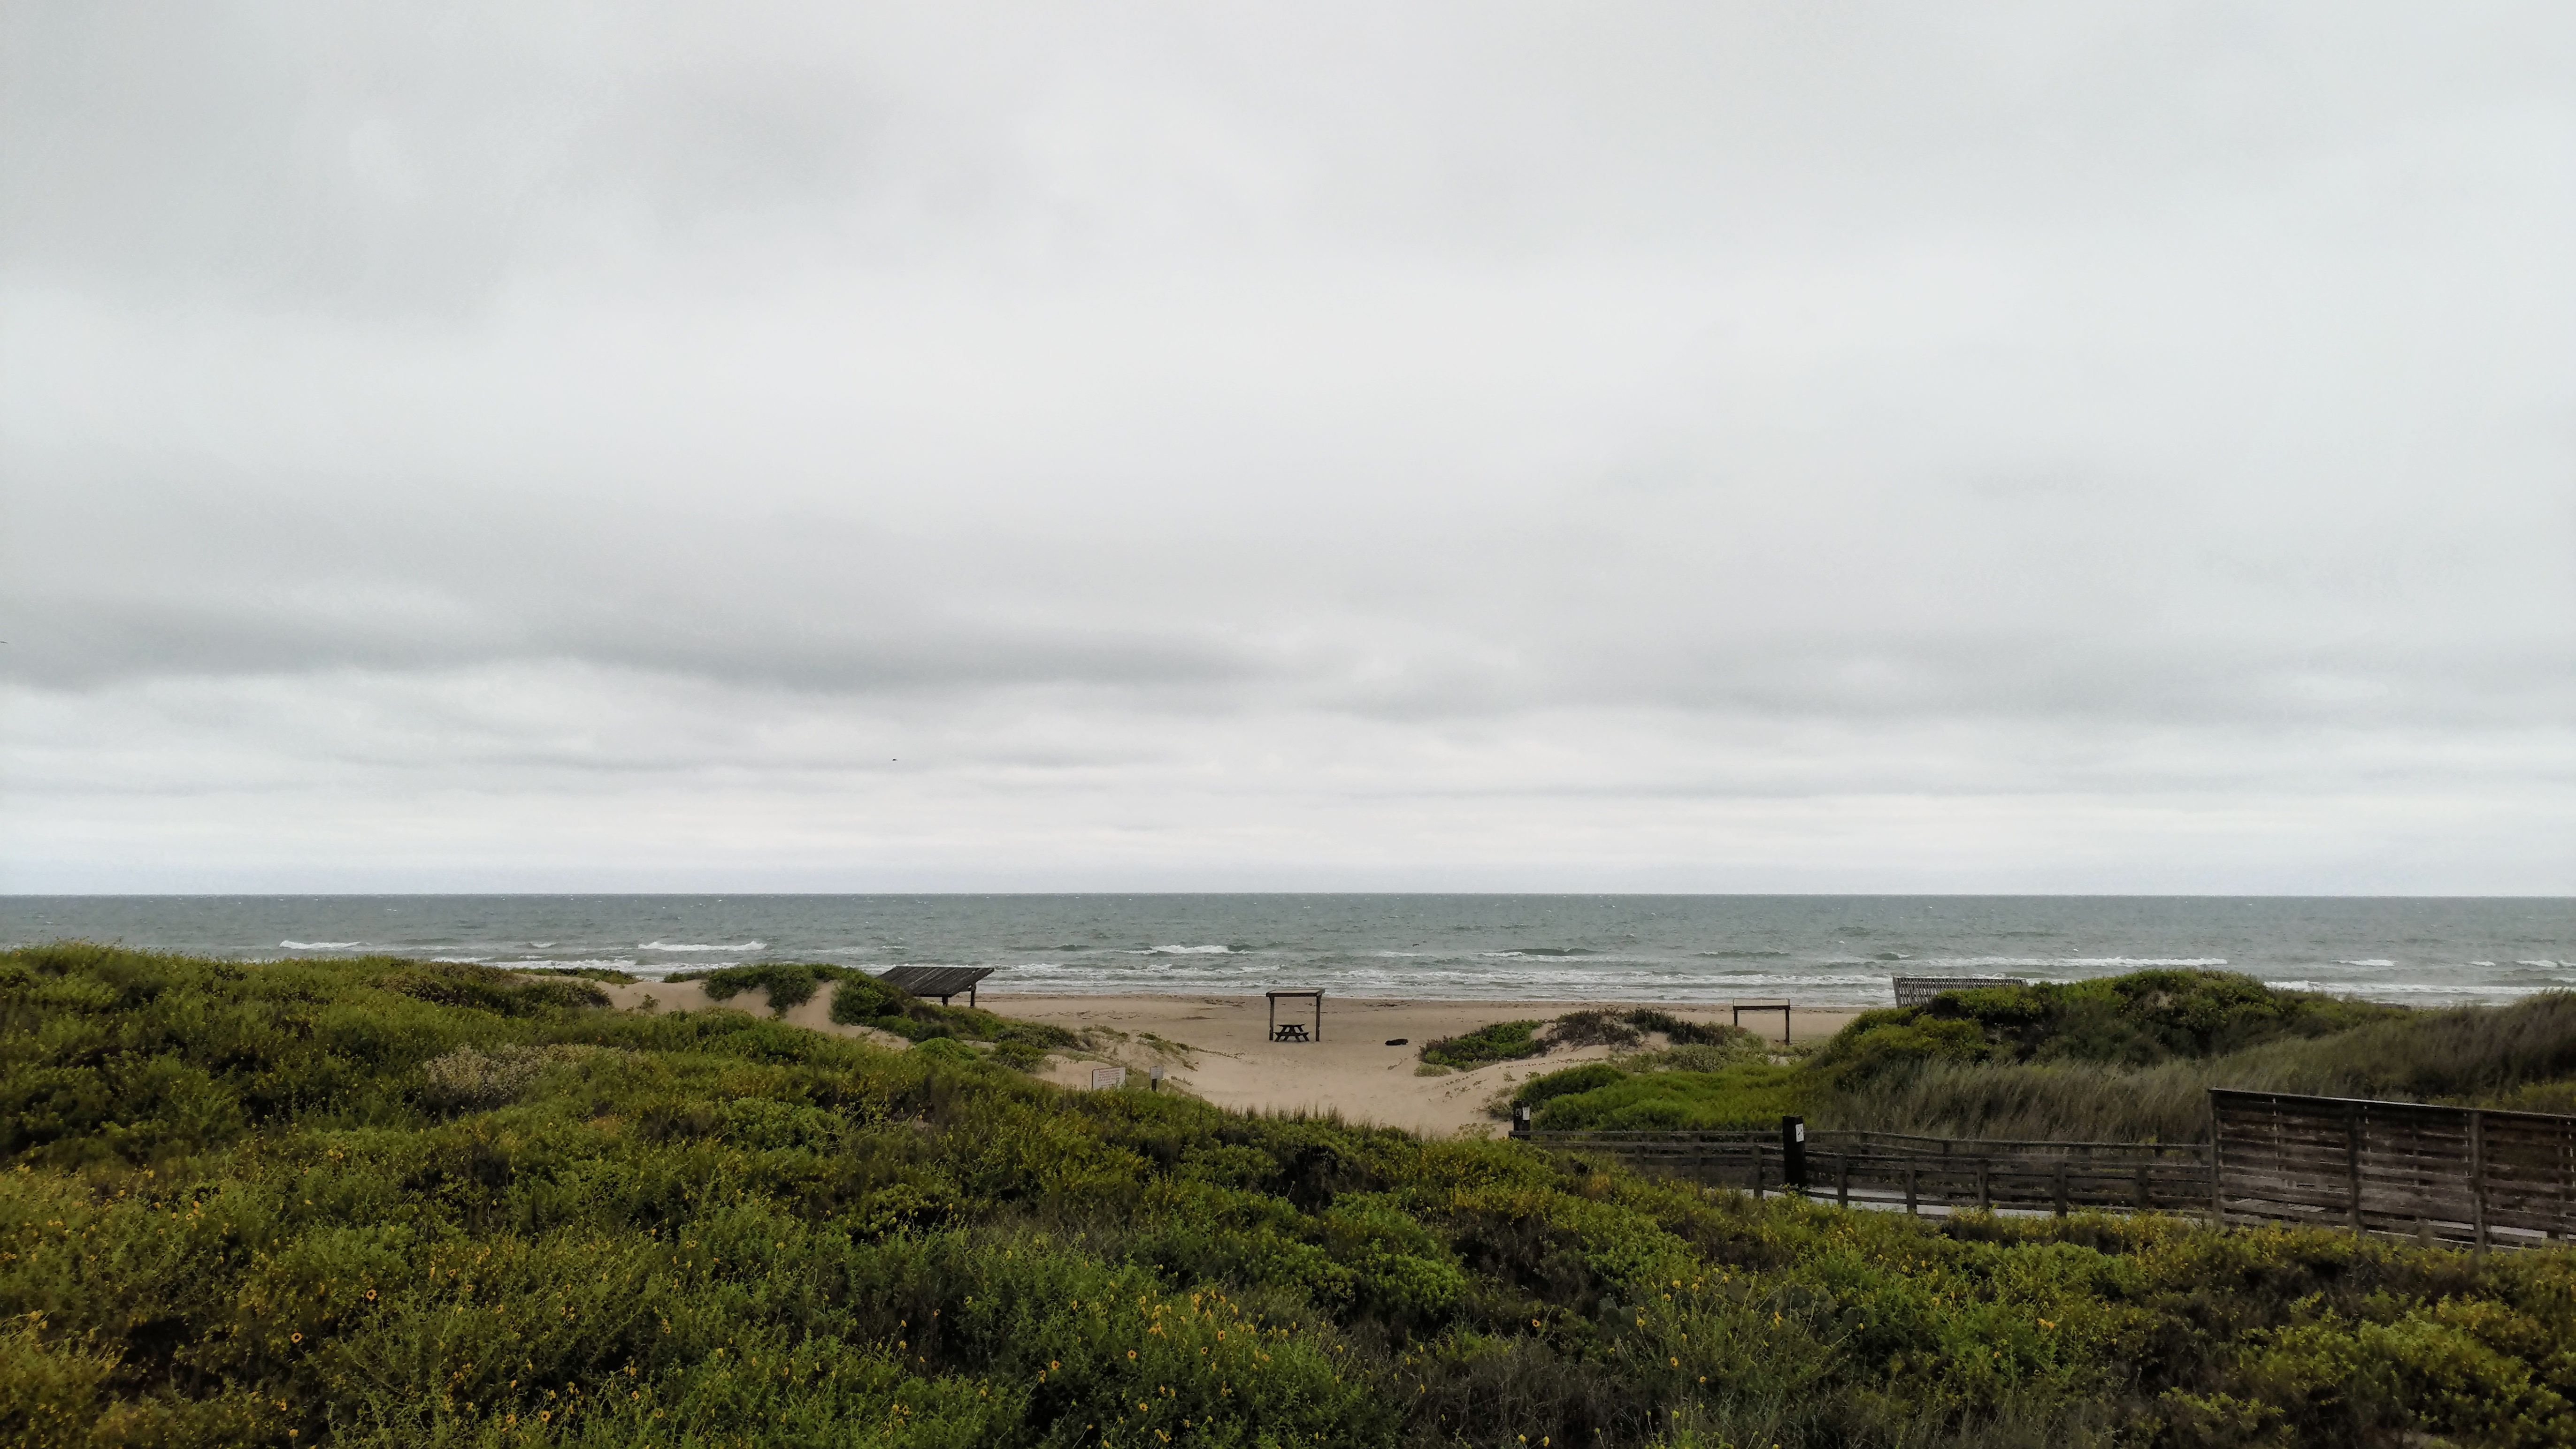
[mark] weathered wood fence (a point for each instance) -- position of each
(2436, 1174)
(2452, 1174)
(1890, 1170)
(1922, 990)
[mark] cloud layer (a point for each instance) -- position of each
(1479, 447)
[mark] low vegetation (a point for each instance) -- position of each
(859, 999)
(367, 1202)
(2125, 1058)
(1504, 1041)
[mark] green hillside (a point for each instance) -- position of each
(377, 1202)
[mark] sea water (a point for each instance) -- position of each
(1819, 950)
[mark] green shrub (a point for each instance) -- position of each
(1592, 1028)
(1503, 1041)
(861, 1000)
(1573, 1079)
(1744, 1097)
(1680, 1031)
(232, 1215)
(785, 984)
(2518, 1055)
(2139, 1019)
(1019, 1056)
(473, 1080)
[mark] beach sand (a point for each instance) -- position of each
(1217, 1047)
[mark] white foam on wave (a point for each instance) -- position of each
(321, 945)
(698, 946)
(2381, 988)
(2542, 964)
(2124, 962)
(1181, 951)
(2368, 961)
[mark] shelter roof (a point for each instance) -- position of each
(934, 980)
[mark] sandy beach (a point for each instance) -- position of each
(1217, 1047)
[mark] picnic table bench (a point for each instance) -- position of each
(1291, 1032)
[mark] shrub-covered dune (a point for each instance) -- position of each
(2121, 1058)
(376, 1202)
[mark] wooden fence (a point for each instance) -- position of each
(2452, 1174)
(1918, 1174)
(1921, 990)
(2435, 1174)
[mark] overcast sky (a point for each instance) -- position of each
(1700, 447)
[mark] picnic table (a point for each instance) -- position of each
(1292, 1031)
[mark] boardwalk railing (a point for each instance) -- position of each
(1878, 1169)
(2435, 1174)
(2452, 1174)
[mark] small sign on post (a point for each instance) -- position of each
(1155, 1077)
(1106, 1077)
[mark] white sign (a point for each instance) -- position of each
(1108, 1077)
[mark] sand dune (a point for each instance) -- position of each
(1217, 1047)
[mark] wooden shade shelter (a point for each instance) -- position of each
(1781, 1007)
(940, 981)
(1298, 1033)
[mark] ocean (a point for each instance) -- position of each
(1818, 950)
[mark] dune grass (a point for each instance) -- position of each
(2517, 1056)
(365, 1202)
(2119, 1059)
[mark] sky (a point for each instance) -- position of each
(1700, 447)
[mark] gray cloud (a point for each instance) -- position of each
(1477, 445)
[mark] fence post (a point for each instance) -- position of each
(2061, 1187)
(1757, 1172)
(2478, 1181)
(1909, 1188)
(1842, 1180)
(1793, 1152)
(1985, 1198)
(2217, 1204)
(2352, 1162)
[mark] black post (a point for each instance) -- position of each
(1520, 1121)
(1793, 1152)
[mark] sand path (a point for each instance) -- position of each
(1216, 1047)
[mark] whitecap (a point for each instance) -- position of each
(321, 945)
(2368, 961)
(2121, 961)
(2142, 960)
(698, 946)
